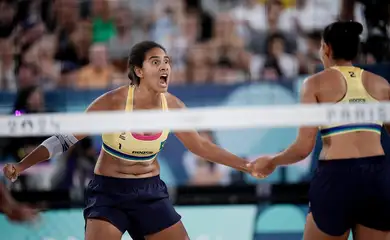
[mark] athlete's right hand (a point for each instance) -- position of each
(262, 167)
(11, 171)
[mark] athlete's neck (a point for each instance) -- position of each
(146, 98)
(341, 63)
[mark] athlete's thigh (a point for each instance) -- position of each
(374, 211)
(174, 232)
(97, 229)
(331, 204)
(154, 213)
(312, 232)
(362, 233)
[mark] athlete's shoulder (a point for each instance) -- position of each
(374, 77)
(324, 74)
(173, 101)
(108, 100)
(313, 84)
(323, 77)
(313, 80)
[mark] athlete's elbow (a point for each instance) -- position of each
(303, 152)
(302, 155)
(200, 148)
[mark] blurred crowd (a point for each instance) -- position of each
(83, 44)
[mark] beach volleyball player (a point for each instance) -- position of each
(350, 189)
(126, 193)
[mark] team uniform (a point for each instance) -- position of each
(139, 206)
(346, 192)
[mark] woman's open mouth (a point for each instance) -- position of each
(164, 80)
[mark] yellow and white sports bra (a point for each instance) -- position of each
(356, 93)
(135, 146)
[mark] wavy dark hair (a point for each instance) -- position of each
(137, 58)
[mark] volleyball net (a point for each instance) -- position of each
(206, 118)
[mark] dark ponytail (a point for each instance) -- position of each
(344, 39)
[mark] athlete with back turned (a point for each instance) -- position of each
(350, 189)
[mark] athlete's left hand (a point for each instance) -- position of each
(261, 167)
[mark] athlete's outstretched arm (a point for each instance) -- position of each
(306, 138)
(52, 146)
(205, 148)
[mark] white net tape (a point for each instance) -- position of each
(194, 118)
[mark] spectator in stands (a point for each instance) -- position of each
(102, 20)
(7, 66)
(223, 48)
(127, 35)
(205, 18)
(28, 76)
(48, 14)
(8, 19)
(29, 100)
(271, 70)
(80, 42)
(41, 55)
(201, 172)
(250, 13)
(311, 58)
(69, 73)
(312, 16)
(225, 72)
(32, 30)
(66, 16)
(276, 64)
(98, 73)
(279, 21)
(315, 15)
(274, 10)
(375, 16)
(199, 69)
(166, 26)
(72, 35)
(49, 68)
(287, 21)
(189, 29)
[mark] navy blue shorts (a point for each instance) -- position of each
(347, 192)
(139, 206)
